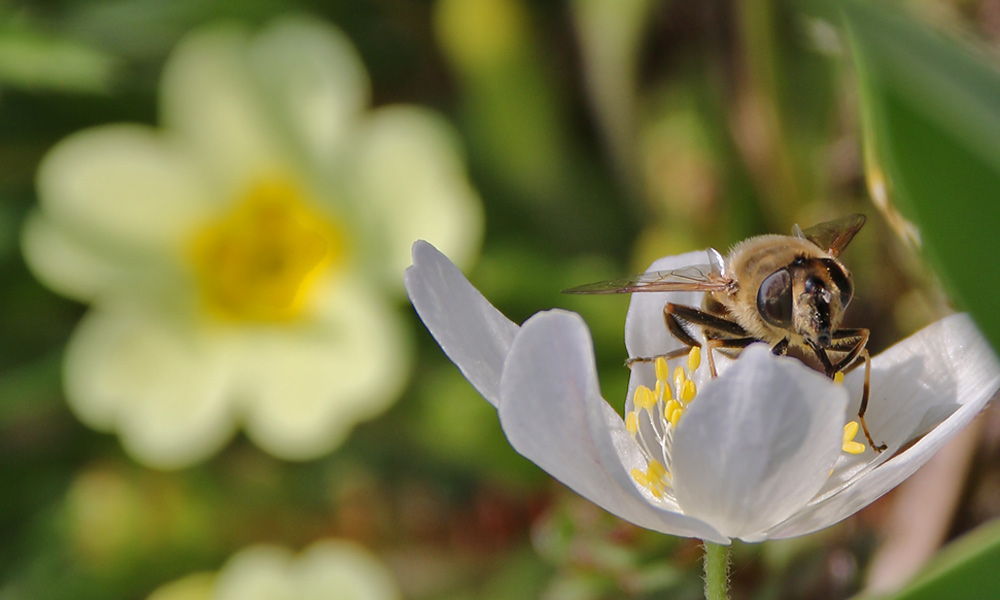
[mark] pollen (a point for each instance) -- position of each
(261, 260)
(632, 422)
(662, 369)
(654, 416)
(849, 445)
(688, 391)
(679, 378)
(694, 358)
(838, 377)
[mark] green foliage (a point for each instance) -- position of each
(963, 570)
(932, 116)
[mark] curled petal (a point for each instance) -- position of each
(553, 414)
(945, 374)
(474, 334)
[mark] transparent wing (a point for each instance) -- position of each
(697, 278)
(833, 236)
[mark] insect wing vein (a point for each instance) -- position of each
(697, 278)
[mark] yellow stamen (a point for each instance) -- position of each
(654, 478)
(632, 422)
(675, 416)
(694, 358)
(644, 398)
(655, 470)
(688, 391)
(663, 390)
(670, 406)
(838, 377)
(849, 445)
(679, 378)
(640, 477)
(260, 261)
(662, 369)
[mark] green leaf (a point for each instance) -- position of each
(963, 570)
(931, 115)
(33, 60)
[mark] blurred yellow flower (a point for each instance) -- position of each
(241, 262)
(327, 569)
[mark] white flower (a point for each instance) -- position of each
(327, 569)
(757, 454)
(241, 263)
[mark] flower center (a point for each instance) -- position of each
(259, 261)
(654, 418)
(656, 413)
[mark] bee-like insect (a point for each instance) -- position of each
(787, 291)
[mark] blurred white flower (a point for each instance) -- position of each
(756, 453)
(327, 569)
(241, 262)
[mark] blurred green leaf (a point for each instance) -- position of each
(931, 113)
(31, 59)
(965, 569)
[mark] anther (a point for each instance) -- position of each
(849, 445)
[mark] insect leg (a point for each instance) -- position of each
(851, 341)
(864, 401)
(673, 314)
(667, 355)
(854, 343)
(824, 360)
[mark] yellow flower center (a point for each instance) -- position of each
(654, 417)
(259, 261)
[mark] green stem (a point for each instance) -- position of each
(716, 572)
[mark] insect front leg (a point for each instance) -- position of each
(864, 402)
(854, 343)
(850, 341)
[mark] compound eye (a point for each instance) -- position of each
(774, 299)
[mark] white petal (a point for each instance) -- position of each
(125, 186)
(920, 381)
(945, 371)
(645, 331)
(307, 385)
(345, 567)
(208, 96)
(261, 572)
(68, 265)
(152, 379)
(474, 334)
(315, 79)
(197, 586)
(757, 443)
(553, 414)
(412, 181)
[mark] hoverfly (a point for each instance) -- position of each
(789, 291)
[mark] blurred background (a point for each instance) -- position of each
(599, 135)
